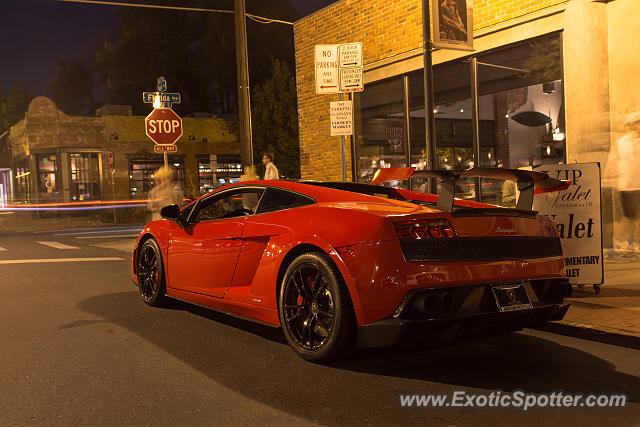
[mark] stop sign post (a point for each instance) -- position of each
(164, 127)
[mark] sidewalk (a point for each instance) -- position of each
(613, 316)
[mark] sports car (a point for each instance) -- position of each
(339, 264)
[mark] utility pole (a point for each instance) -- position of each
(244, 96)
(430, 122)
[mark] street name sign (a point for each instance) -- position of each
(341, 113)
(163, 126)
(167, 98)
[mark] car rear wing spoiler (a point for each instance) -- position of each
(528, 182)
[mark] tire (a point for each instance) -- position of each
(315, 310)
(151, 274)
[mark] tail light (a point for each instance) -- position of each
(424, 229)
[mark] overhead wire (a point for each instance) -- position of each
(256, 18)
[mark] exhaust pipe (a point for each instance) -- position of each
(446, 301)
(565, 290)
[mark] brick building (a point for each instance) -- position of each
(61, 158)
(551, 79)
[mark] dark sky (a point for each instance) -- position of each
(35, 35)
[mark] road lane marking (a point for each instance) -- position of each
(58, 245)
(119, 230)
(113, 236)
(45, 260)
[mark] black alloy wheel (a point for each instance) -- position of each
(151, 274)
(315, 309)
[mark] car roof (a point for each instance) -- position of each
(339, 191)
(322, 191)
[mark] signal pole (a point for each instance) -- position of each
(244, 95)
(430, 122)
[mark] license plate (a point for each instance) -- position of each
(511, 297)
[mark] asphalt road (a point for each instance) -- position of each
(78, 347)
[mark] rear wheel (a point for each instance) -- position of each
(151, 274)
(315, 309)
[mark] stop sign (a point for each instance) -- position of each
(163, 126)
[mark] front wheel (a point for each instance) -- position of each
(315, 309)
(151, 274)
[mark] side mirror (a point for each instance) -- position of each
(171, 212)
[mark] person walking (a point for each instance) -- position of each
(166, 192)
(628, 148)
(271, 171)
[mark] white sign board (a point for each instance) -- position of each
(350, 55)
(326, 63)
(576, 212)
(341, 113)
(338, 68)
(351, 80)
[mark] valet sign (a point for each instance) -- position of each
(578, 217)
(164, 127)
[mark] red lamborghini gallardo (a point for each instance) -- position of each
(338, 264)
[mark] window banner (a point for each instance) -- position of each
(578, 217)
(453, 24)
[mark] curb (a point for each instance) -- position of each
(620, 340)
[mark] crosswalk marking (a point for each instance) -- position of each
(58, 245)
(46, 260)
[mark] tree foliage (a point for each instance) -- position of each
(13, 105)
(274, 117)
(73, 89)
(194, 51)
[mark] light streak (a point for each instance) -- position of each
(94, 202)
(79, 208)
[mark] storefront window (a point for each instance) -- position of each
(453, 121)
(47, 168)
(84, 176)
(520, 91)
(5, 187)
(22, 186)
(520, 116)
(142, 170)
(226, 169)
(381, 133)
(205, 176)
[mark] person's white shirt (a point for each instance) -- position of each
(271, 171)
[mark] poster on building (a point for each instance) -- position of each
(341, 113)
(453, 24)
(578, 217)
(394, 130)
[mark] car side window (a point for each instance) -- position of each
(228, 205)
(277, 199)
